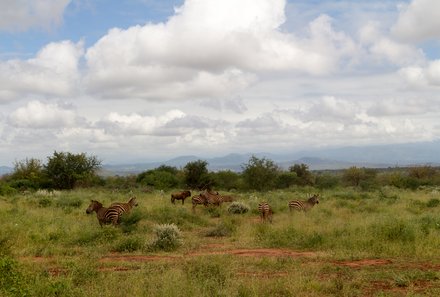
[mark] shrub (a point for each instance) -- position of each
(69, 202)
(129, 221)
(238, 208)
(168, 238)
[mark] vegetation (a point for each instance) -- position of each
(374, 233)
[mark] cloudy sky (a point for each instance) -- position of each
(149, 80)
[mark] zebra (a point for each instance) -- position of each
(212, 198)
(100, 212)
(265, 211)
(180, 196)
(198, 200)
(125, 207)
(304, 205)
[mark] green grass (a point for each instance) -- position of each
(49, 246)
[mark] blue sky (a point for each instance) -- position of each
(145, 80)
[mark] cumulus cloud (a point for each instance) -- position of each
(418, 21)
(53, 71)
(209, 49)
(421, 76)
(39, 115)
(382, 47)
(20, 15)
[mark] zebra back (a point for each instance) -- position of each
(304, 205)
(198, 199)
(213, 198)
(125, 207)
(265, 211)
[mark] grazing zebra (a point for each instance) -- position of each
(100, 212)
(212, 198)
(180, 196)
(304, 205)
(198, 200)
(265, 211)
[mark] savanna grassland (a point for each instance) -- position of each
(380, 243)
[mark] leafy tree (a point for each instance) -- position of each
(303, 173)
(66, 169)
(164, 177)
(360, 177)
(260, 174)
(226, 179)
(286, 179)
(28, 173)
(196, 175)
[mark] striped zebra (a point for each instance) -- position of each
(212, 198)
(304, 205)
(122, 207)
(198, 200)
(265, 211)
(100, 212)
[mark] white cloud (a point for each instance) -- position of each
(54, 71)
(382, 47)
(210, 49)
(421, 76)
(38, 115)
(20, 15)
(418, 21)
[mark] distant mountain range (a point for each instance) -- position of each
(378, 156)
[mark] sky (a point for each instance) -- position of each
(149, 80)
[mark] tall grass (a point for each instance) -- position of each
(346, 224)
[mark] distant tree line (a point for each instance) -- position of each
(65, 171)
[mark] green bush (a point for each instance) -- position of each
(238, 208)
(69, 202)
(129, 222)
(168, 238)
(225, 228)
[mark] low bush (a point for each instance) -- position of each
(238, 208)
(168, 238)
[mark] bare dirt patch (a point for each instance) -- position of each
(364, 262)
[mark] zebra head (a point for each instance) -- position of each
(94, 206)
(133, 201)
(314, 199)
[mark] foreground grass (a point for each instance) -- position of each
(50, 247)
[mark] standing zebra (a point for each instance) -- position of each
(265, 211)
(122, 207)
(304, 205)
(100, 212)
(213, 198)
(198, 200)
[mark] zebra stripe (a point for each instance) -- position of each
(122, 207)
(198, 200)
(265, 211)
(212, 198)
(96, 206)
(304, 205)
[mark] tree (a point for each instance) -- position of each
(303, 173)
(226, 179)
(66, 169)
(162, 178)
(196, 175)
(28, 173)
(360, 177)
(260, 174)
